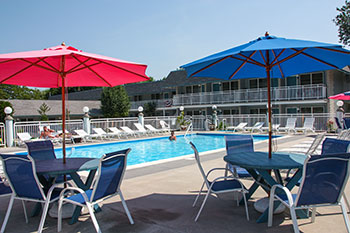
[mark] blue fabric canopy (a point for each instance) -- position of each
(286, 57)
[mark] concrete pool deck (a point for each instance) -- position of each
(160, 199)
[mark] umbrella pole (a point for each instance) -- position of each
(63, 119)
(268, 69)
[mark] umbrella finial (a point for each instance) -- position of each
(63, 44)
(266, 33)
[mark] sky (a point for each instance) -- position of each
(163, 34)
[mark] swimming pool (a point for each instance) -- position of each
(153, 149)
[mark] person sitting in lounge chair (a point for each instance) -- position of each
(172, 136)
(47, 133)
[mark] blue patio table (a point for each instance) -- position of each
(259, 166)
(55, 167)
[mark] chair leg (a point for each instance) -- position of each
(294, 220)
(245, 204)
(345, 215)
(200, 191)
(43, 216)
(313, 215)
(346, 201)
(203, 203)
(270, 214)
(8, 212)
(25, 211)
(93, 218)
(126, 208)
(59, 214)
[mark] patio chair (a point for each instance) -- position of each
(103, 134)
(256, 127)
(335, 146)
(106, 185)
(344, 135)
(85, 136)
(274, 128)
(153, 130)
(308, 125)
(117, 132)
(70, 136)
(165, 126)
(129, 131)
(323, 183)
(20, 172)
(239, 127)
(290, 126)
(23, 137)
(222, 184)
(141, 129)
(237, 144)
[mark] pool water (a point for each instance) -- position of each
(148, 150)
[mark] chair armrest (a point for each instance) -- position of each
(225, 178)
(216, 169)
(286, 191)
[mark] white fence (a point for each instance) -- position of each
(33, 127)
(2, 134)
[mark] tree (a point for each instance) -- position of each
(150, 109)
(58, 91)
(19, 92)
(43, 109)
(115, 102)
(3, 105)
(342, 21)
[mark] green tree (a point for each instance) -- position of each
(19, 92)
(342, 21)
(43, 109)
(3, 105)
(115, 102)
(150, 108)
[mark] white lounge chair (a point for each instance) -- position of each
(117, 132)
(165, 126)
(85, 136)
(129, 131)
(308, 125)
(256, 127)
(103, 134)
(154, 130)
(71, 136)
(240, 127)
(141, 129)
(290, 126)
(274, 128)
(23, 137)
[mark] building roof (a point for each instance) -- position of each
(179, 78)
(29, 108)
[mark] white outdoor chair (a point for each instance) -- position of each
(71, 137)
(256, 127)
(153, 130)
(141, 129)
(274, 128)
(129, 131)
(308, 125)
(101, 133)
(117, 132)
(164, 126)
(23, 137)
(239, 127)
(290, 126)
(85, 135)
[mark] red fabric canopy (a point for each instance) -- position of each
(341, 96)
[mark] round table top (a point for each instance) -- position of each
(56, 166)
(260, 160)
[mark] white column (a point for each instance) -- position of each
(86, 120)
(9, 127)
(141, 119)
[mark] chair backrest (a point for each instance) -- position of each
(110, 174)
(201, 170)
(291, 122)
(324, 179)
(150, 127)
(309, 122)
(99, 131)
(346, 122)
(239, 143)
(24, 136)
(4, 189)
(314, 145)
(258, 125)
(41, 150)
(81, 132)
(164, 124)
(139, 127)
(114, 129)
(21, 174)
(127, 129)
(335, 146)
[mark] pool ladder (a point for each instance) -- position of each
(189, 129)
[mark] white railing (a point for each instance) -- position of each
(33, 127)
(252, 95)
(2, 134)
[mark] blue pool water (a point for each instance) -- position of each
(148, 150)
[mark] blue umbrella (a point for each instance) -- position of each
(270, 57)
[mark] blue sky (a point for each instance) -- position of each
(164, 34)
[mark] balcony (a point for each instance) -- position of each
(288, 93)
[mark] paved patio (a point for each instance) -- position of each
(160, 199)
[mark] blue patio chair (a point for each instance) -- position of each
(106, 185)
(323, 183)
(335, 146)
(20, 172)
(222, 184)
(237, 144)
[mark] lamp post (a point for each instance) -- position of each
(86, 119)
(9, 127)
(340, 113)
(215, 116)
(141, 119)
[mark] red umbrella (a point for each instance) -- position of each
(341, 96)
(65, 66)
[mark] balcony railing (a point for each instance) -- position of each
(252, 95)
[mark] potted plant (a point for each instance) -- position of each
(330, 126)
(181, 121)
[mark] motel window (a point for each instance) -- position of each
(305, 110)
(317, 78)
(317, 110)
(216, 86)
(196, 88)
(253, 83)
(226, 86)
(291, 81)
(262, 83)
(254, 111)
(274, 82)
(234, 85)
(227, 112)
(196, 112)
(203, 88)
(305, 79)
(188, 89)
(166, 95)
